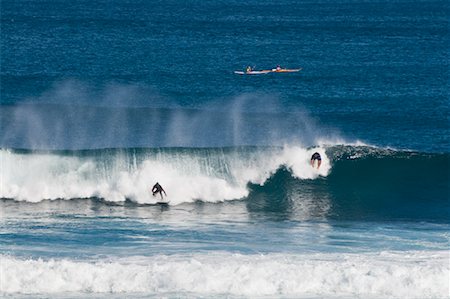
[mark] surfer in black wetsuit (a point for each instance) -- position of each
(314, 157)
(158, 189)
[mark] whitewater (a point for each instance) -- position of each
(387, 275)
(242, 221)
(210, 175)
(99, 102)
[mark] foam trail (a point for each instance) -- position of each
(209, 175)
(384, 275)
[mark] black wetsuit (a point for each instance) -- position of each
(158, 189)
(316, 156)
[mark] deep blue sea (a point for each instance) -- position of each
(99, 100)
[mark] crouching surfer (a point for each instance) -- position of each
(314, 157)
(157, 188)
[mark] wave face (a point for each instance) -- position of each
(364, 183)
(353, 181)
(119, 174)
(390, 275)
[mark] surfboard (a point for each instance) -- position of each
(162, 202)
(252, 72)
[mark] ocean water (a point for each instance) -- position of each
(101, 99)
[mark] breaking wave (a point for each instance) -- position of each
(187, 174)
(359, 182)
(383, 275)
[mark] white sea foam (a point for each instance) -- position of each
(185, 176)
(383, 275)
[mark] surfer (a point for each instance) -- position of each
(314, 157)
(278, 68)
(249, 69)
(158, 189)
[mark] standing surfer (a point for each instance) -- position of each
(157, 188)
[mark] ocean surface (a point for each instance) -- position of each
(99, 100)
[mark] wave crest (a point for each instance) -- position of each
(117, 175)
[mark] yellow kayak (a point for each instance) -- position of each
(285, 70)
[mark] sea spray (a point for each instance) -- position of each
(76, 115)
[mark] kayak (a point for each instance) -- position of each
(267, 71)
(253, 72)
(286, 70)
